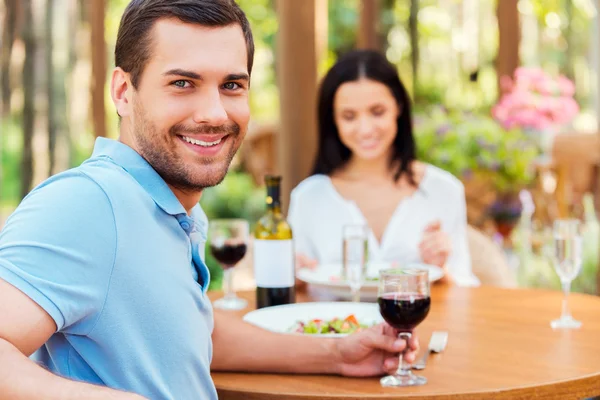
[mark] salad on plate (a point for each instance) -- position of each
(332, 326)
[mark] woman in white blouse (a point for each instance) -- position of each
(366, 172)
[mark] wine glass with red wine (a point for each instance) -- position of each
(228, 240)
(404, 303)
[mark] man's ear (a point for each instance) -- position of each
(121, 90)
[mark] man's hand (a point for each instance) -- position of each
(374, 351)
(435, 246)
(371, 352)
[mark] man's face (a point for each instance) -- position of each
(190, 110)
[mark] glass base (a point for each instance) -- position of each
(230, 303)
(409, 379)
(565, 323)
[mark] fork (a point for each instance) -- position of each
(437, 344)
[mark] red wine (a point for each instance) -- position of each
(229, 254)
(404, 311)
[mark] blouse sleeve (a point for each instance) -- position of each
(459, 262)
(298, 220)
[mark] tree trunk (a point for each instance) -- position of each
(8, 39)
(29, 79)
(97, 13)
(509, 33)
(368, 35)
(297, 80)
(413, 27)
(50, 89)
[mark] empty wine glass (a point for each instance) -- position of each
(567, 260)
(404, 303)
(354, 257)
(228, 245)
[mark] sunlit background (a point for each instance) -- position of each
(448, 54)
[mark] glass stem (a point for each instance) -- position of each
(356, 295)
(566, 286)
(228, 284)
(403, 366)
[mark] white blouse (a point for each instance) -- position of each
(317, 213)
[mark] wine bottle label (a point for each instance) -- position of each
(274, 263)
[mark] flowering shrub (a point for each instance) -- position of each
(467, 144)
(534, 100)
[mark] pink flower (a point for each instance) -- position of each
(566, 109)
(546, 87)
(542, 123)
(546, 104)
(532, 73)
(527, 117)
(566, 87)
(535, 100)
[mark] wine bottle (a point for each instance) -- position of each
(273, 252)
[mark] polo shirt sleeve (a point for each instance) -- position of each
(59, 248)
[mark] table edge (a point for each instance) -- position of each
(576, 388)
(588, 385)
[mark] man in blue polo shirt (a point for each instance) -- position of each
(101, 267)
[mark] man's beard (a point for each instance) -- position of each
(161, 153)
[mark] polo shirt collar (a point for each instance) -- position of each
(132, 162)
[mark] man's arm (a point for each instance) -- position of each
(238, 346)
(52, 278)
(24, 327)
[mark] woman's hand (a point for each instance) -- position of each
(435, 246)
(303, 261)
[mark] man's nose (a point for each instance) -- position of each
(210, 109)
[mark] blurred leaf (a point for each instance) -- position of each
(12, 143)
(465, 144)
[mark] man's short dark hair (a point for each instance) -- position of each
(133, 47)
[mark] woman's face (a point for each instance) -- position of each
(365, 113)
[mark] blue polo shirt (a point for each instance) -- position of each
(112, 256)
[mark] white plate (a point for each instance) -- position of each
(326, 277)
(282, 318)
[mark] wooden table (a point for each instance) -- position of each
(500, 346)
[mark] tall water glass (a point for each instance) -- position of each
(567, 260)
(354, 255)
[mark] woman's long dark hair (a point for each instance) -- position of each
(332, 153)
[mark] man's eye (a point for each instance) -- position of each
(231, 86)
(181, 84)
